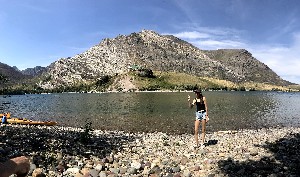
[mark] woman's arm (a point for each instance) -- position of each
(190, 104)
(206, 108)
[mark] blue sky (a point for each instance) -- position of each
(39, 32)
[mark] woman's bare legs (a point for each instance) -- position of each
(197, 124)
(203, 130)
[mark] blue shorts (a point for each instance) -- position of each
(200, 115)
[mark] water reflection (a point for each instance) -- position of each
(167, 112)
(238, 110)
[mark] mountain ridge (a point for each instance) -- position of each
(11, 75)
(160, 53)
(148, 49)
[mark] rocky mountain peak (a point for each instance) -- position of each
(160, 53)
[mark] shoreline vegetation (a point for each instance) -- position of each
(66, 151)
(156, 81)
(23, 92)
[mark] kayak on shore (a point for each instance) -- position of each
(23, 121)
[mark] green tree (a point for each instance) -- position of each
(146, 73)
(3, 78)
(103, 80)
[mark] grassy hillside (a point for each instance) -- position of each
(182, 81)
(160, 81)
(295, 87)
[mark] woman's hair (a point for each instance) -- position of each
(200, 96)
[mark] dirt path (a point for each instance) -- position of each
(124, 83)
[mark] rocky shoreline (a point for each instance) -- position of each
(65, 151)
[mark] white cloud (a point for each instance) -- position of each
(283, 60)
(212, 38)
(193, 35)
(221, 32)
(218, 44)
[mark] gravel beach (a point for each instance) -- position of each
(65, 151)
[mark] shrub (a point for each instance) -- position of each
(85, 136)
(103, 80)
(145, 73)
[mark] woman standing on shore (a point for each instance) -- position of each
(201, 115)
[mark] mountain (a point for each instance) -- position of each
(157, 52)
(245, 66)
(12, 75)
(38, 70)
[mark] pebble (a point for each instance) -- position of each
(102, 174)
(57, 151)
(38, 173)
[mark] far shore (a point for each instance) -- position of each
(173, 91)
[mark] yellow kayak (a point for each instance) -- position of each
(26, 121)
(7, 115)
(29, 122)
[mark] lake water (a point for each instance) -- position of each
(159, 111)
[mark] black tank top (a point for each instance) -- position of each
(200, 105)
